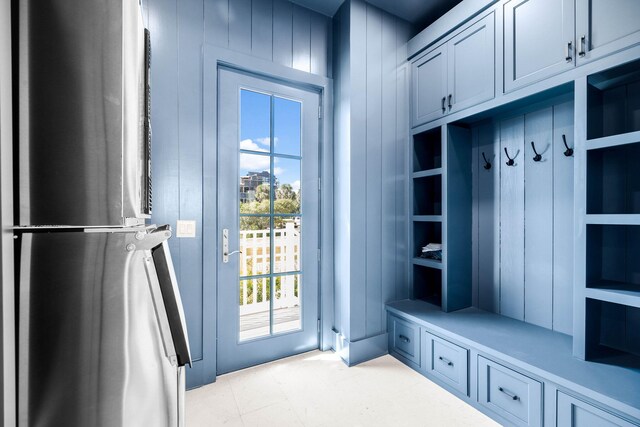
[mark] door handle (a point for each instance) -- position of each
(450, 99)
(568, 57)
(225, 246)
(444, 100)
(583, 46)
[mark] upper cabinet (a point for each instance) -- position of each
(538, 40)
(605, 26)
(455, 75)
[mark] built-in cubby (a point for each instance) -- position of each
(427, 195)
(425, 232)
(613, 332)
(613, 180)
(427, 284)
(613, 257)
(427, 151)
(613, 98)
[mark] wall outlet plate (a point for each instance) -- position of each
(186, 228)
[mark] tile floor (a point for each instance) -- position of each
(317, 389)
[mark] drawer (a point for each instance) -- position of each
(515, 397)
(448, 362)
(573, 412)
(404, 339)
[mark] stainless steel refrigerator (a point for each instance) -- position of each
(102, 338)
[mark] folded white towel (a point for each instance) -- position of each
(432, 247)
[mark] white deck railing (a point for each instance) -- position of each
(255, 259)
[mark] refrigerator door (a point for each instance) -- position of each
(91, 351)
(83, 156)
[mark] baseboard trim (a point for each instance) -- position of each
(355, 352)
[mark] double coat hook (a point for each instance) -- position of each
(569, 151)
(537, 157)
(487, 163)
(510, 162)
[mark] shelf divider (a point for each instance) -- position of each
(613, 141)
(613, 219)
(426, 173)
(426, 262)
(427, 218)
(615, 292)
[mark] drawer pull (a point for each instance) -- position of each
(513, 396)
(445, 361)
(404, 338)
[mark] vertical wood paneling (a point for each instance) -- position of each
(216, 22)
(301, 38)
(164, 111)
(319, 48)
(358, 173)
(488, 222)
(539, 218)
(262, 29)
(240, 25)
(374, 169)
(562, 220)
(402, 160)
(190, 37)
(388, 170)
(282, 32)
(512, 219)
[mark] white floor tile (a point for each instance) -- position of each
(318, 389)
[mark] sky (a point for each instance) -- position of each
(255, 131)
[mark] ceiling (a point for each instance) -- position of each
(420, 13)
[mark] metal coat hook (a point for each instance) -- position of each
(537, 157)
(569, 151)
(510, 162)
(487, 163)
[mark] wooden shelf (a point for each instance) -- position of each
(427, 218)
(615, 292)
(427, 173)
(427, 262)
(613, 219)
(613, 141)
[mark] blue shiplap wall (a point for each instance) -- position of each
(371, 132)
(275, 30)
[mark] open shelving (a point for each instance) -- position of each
(611, 289)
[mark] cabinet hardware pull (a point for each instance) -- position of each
(445, 361)
(450, 99)
(513, 396)
(583, 45)
(404, 338)
(569, 151)
(568, 55)
(537, 157)
(444, 100)
(510, 162)
(487, 163)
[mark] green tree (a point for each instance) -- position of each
(262, 193)
(285, 191)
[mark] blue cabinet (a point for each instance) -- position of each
(404, 341)
(538, 40)
(515, 397)
(456, 75)
(447, 362)
(605, 26)
(429, 86)
(573, 412)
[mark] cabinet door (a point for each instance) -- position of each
(606, 26)
(576, 413)
(538, 40)
(471, 56)
(429, 86)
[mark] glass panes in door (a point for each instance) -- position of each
(270, 285)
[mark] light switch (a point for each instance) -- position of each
(185, 228)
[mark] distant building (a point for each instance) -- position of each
(250, 182)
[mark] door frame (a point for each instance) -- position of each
(213, 58)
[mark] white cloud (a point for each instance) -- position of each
(253, 163)
(278, 171)
(266, 141)
(247, 144)
(295, 185)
